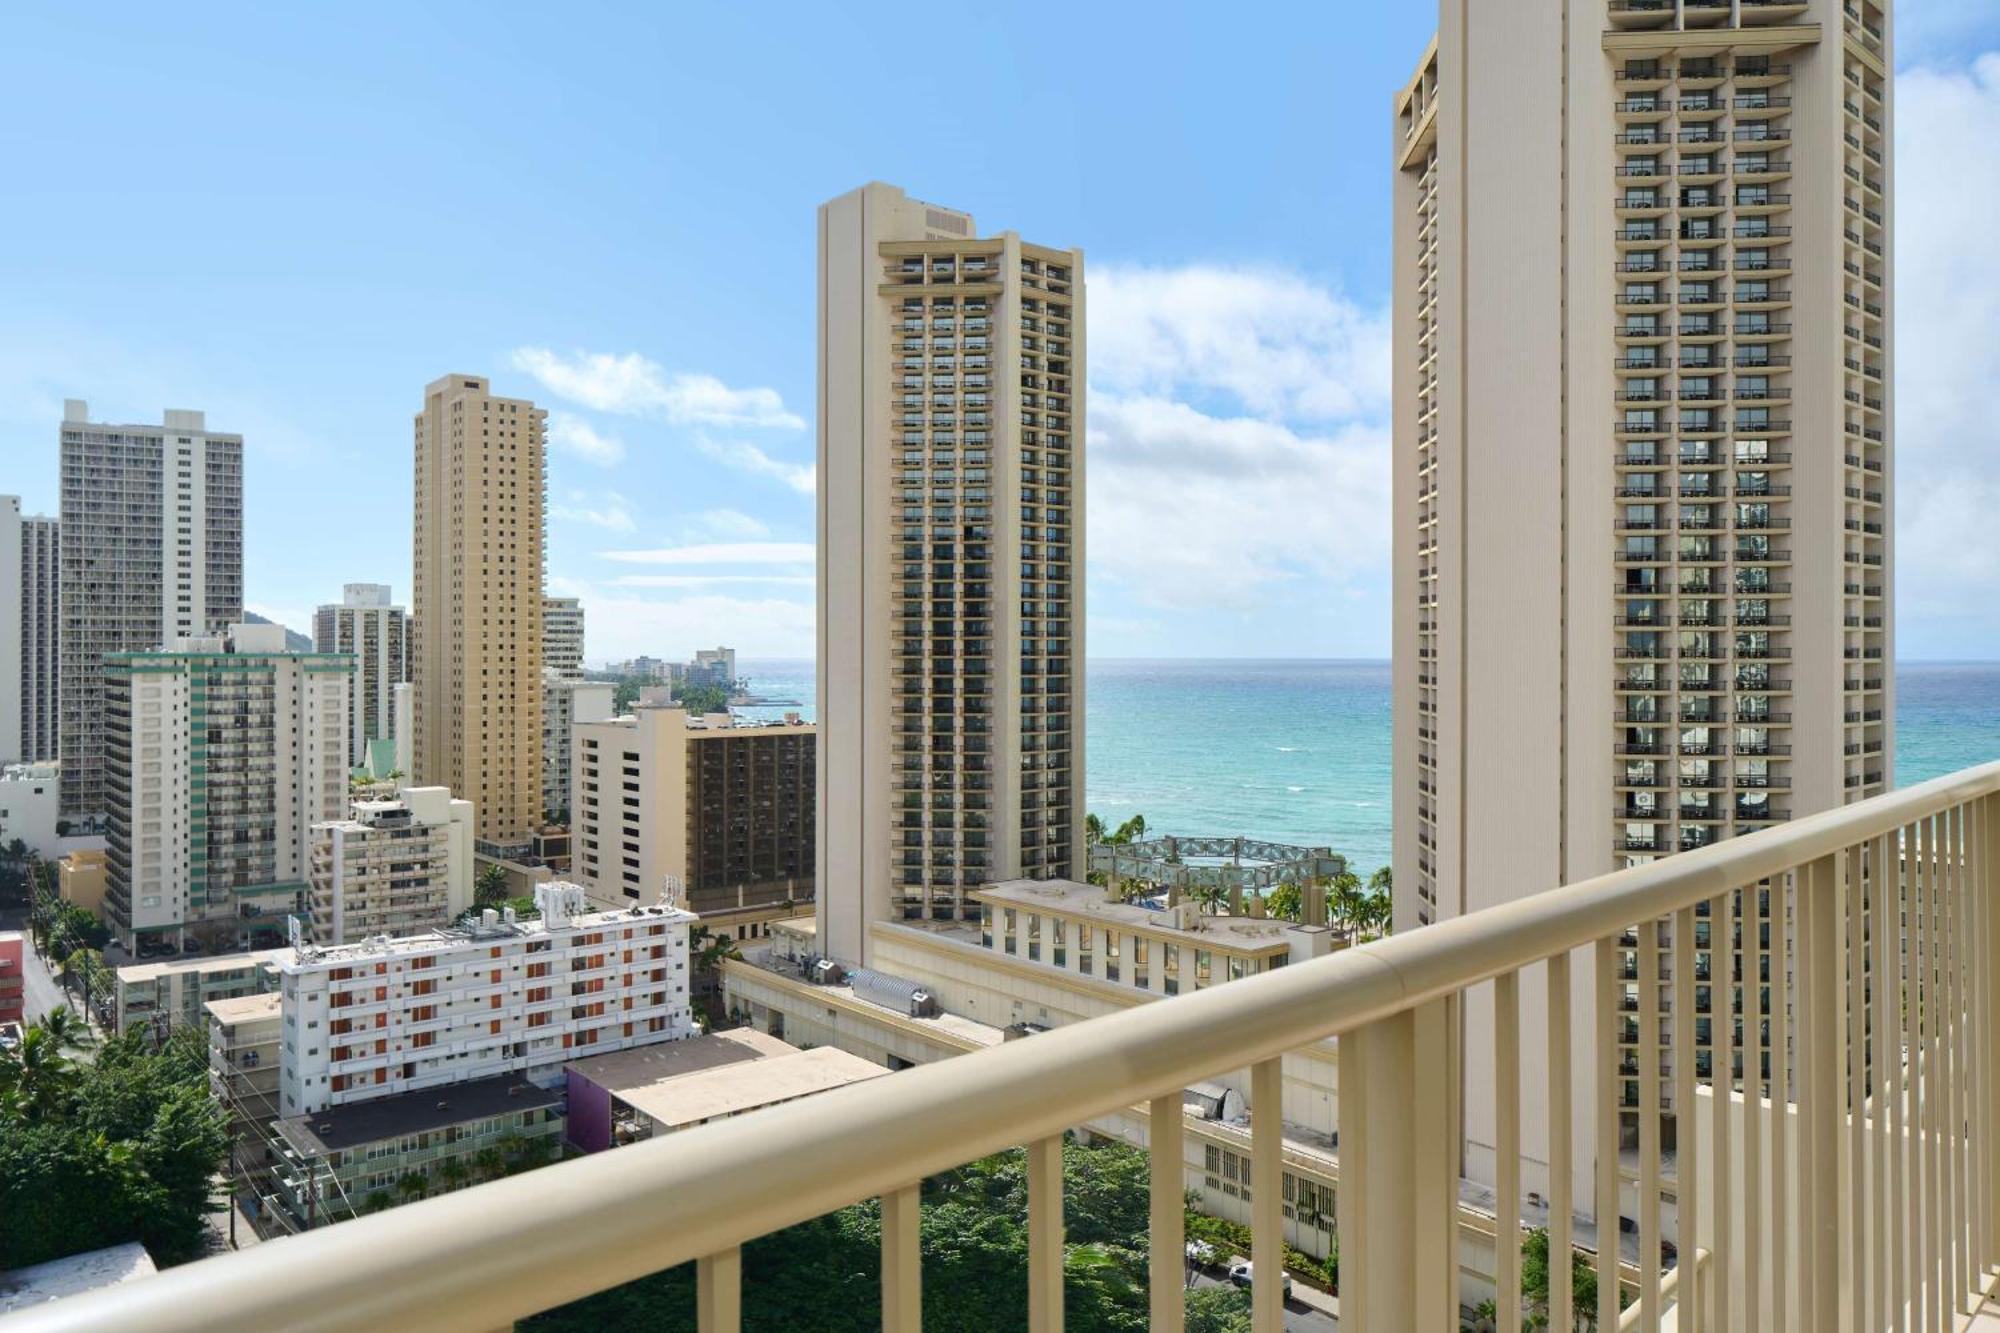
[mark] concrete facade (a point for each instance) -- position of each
(1642, 454)
(222, 755)
(566, 701)
(371, 1020)
(724, 808)
(30, 798)
(154, 553)
(950, 595)
(30, 614)
(365, 625)
(562, 636)
(394, 867)
(476, 634)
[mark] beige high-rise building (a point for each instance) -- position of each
(950, 693)
(1643, 470)
(476, 622)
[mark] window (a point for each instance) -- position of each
(1111, 955)
(1007, 922)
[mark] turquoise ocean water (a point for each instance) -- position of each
(1298, 751)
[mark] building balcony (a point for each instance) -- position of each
(1829, 1228)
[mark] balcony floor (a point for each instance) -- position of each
(1987, 1320)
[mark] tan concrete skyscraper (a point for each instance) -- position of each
(951, 411)
(1643, 470)
(476, 626)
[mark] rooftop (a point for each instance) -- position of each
(1068, 897)
(24, 1287)
(246, 1008)
(221, 962)
(505, 927)
(338, 1128)
(679, 1083)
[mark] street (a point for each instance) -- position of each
(1306, 1312)
(39, 991)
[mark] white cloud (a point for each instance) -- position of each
(724, 525)
(1238, 438)
(1948, 358)
(720, 553)
(748, 457)
(581, 438)
(1273, 341)
(634, 385)
(1190, 511)
(603, 509)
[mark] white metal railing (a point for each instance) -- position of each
(1855, 1186)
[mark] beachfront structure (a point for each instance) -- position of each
(500, 996)
(400, 866)
(30, 613)
(161, 996)
(723, 807)
(1643, 456)
(152, 552)
(566, 701)
(562, 636)
(366, 625)
(950, 587)
(222, 753)
(476, 632)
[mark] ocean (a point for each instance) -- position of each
(1298, 751)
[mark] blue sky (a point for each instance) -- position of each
(294, 217)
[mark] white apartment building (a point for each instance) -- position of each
(366, 625)
(507, 996)
(222, 754)
(950, 589)
(714, 664)
(566, 702)
(1643, 460)
(722, 806)
(30, 798)
(154, 554)
(29, 616)
(562, 636)
(393, 867)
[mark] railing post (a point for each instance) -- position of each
(1399, 1172)
(1168, 1227)
(1267, 1171)
(718, 1295)
(1045, 1235)
(902, 1262)
(1821, 1023)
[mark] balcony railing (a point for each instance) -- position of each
(1864, 1193)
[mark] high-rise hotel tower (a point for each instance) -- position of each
(1643, 463)
(951, 414)
(476, 623)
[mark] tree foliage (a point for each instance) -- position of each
(824, 1274)
(703, 696)
(121, 1147)
(489, 887)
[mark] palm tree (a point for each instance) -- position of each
(1345, 901)
(490, 888)
(1210, 896)
(412, 1185)
(489, 1162)
(66, 1029)
(454, 1172)
(36, 1072)
(1093, 828)
(1382, 881)
(376, 1201)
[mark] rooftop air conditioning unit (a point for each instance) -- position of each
(826, 972)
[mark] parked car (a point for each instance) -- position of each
(1241, 1273)
(1203, 1255)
